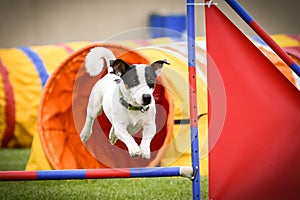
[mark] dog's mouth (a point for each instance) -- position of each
(145, 104)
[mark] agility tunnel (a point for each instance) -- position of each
(71, 85)
(63, 109)
(23, 82)
(23, 73)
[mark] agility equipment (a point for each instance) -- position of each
(96, 173)
(255, 151)
(193, 99)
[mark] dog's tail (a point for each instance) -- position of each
(96, 58)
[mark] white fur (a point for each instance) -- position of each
(105, 97)
(94, 61)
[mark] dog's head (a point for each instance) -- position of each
(138, 79)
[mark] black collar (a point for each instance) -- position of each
(128, 106)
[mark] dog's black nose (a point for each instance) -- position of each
(146, 99)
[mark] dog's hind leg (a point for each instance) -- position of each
(87, 128)
(112, 137)
(94, 109)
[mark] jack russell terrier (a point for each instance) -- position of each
(125, 95)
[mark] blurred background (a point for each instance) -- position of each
(39, 22)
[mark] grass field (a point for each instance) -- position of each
(121, 189)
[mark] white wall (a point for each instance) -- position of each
(37, 22)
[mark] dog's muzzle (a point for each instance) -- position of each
(146, 99)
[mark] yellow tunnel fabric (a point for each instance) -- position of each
(23, 75)
(27, 90)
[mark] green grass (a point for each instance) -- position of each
(13, 159)
(114, 189)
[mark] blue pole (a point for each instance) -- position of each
(193, 98)
(266, 38)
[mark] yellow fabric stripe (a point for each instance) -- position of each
(27, 90)
(285, 41)
(77, 45)
(51, 55)
(37, 159)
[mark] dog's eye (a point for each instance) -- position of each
(131, 78)
(150, 77)
(134, 80)
(151, 83)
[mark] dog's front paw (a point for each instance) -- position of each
(145, 153)
(136, 152)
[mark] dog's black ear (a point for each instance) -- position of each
(119, 66)
(158, 65)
